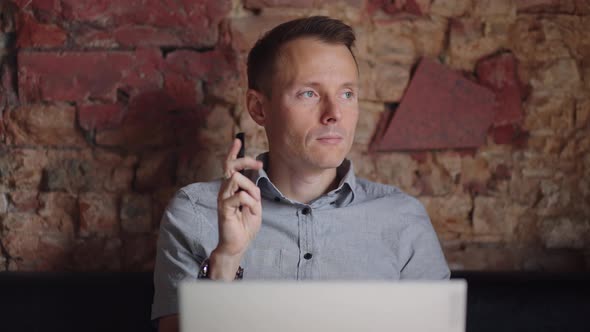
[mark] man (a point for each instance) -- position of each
(298, 212)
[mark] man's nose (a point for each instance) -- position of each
(331, 112)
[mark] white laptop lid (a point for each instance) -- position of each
(249, 306)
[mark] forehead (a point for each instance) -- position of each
(306, 59)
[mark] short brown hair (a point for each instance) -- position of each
(267, 48)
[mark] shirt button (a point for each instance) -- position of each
(308, 256)
(306, 211)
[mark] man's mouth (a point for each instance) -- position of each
(330, 139)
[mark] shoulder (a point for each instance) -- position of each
(199, 193)
(189, 203)
(390, 195)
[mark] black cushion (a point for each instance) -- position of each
(122, 301)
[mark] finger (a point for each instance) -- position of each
(233, 150)
(232, 154)
(242, 199)
(238, 181)
(244, 163)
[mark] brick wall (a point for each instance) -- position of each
(108, 107)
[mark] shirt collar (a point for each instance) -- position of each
(345, 172)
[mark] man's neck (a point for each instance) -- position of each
(301, 185)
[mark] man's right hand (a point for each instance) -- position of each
(239, 212)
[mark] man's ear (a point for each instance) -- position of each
(255, 103)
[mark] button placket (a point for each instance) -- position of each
(306, 249)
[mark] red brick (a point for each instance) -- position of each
(139, 252)
(32, 34)
(100, 116)
(581, 7)
(155, 170)
(23, 201)
(245, 31)
(510, 134)
(98, 214)
(59, 210)
(185, 93)
(79, 171)
(35, 245)
(160, 199)
(173, 23)
(80, 76)
(148, 123)
(136, 213)
(21, 168)
(257, 4)
(142, 36)
(46, 7)
(415, 7)
(499, 73)
(212, 67)
(43, 124)
(96, 254)
(440, 110)
(418, 7)
(8, 96)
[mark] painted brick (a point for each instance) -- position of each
(440, 110)
(499, 73)
(82, 76)
(32, 34)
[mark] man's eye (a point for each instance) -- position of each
(348, 94)
(308, 94)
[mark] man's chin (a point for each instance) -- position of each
(327, 162)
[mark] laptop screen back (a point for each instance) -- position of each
(250, 306)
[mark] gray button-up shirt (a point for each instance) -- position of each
(360, 230)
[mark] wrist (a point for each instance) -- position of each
(223, 267)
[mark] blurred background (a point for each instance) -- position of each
(108, 107)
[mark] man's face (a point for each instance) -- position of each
(313, 110)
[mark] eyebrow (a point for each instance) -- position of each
(315, 84)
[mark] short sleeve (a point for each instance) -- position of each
(424, 256)
(177, 257)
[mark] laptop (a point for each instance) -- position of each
(322, 306)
